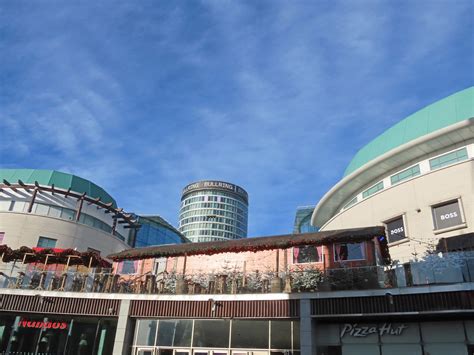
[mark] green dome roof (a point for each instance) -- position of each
(448, 111)
(58, 179)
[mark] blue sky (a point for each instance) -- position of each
(144, 97)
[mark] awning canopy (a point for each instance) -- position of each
(256, 244)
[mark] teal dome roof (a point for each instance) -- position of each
(58, 179)
(448, 111)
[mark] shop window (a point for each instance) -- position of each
(370, 191)
(396, 230)
(249, 334)
(44, 242)
(296, 335)
(211, 333)
(176, 332)
(307, 254)
(146, 332)
(329, 350)
(348, 251)
(447, 215)
(448, 159)
(128, 266)
(280, 334)
(405, 174)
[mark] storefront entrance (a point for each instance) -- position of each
(390, 338)
(216, 337)
(33, 334)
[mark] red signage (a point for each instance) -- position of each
(40, 324)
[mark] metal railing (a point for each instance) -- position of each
(436, 269)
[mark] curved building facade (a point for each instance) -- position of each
(213, 210)
(47, 208)
(303, 220)
(417, 179)
(154, 230)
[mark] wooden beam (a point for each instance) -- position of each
(24, 185)
(277, 261)
(81, 201)
(114, 225)
(94, 201)
(33, 197)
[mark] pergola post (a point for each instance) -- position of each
(33, 197)
(79, 209)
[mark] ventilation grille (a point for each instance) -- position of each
(59, 305)
(426, 302)
(222, 309)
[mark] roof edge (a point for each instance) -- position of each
(317, 220)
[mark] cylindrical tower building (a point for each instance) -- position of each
(213, 210)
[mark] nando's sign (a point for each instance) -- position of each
(37, 324)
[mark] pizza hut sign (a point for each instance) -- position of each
(356, 330)
(40, 324)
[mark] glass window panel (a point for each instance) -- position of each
(448, 159)
(360, 349)
(447, 215)
(18, 206)
(328, 335)
(89, 220)
(146, 332)
(350, 203)
(329, 350)
(211, 333)
(405, 349)
(250, 334)
(348, 251)
(54, 211)
(175, 332)
(444, 349)
(306, 254)
(44, 242)
(470, 330)
(377, 187)
(403, 333)
(442, 332)
(41, 209)
(406, 174)
(129, 266)
(4, 205)
(280, 334)
(349, 333)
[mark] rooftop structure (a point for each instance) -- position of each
(213, 210)
(410, 178)
(51, 209)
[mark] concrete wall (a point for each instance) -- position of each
(413, 199)
(25, 229)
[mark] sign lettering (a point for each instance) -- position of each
(355, 330)
(216, 184)
(24, 323)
